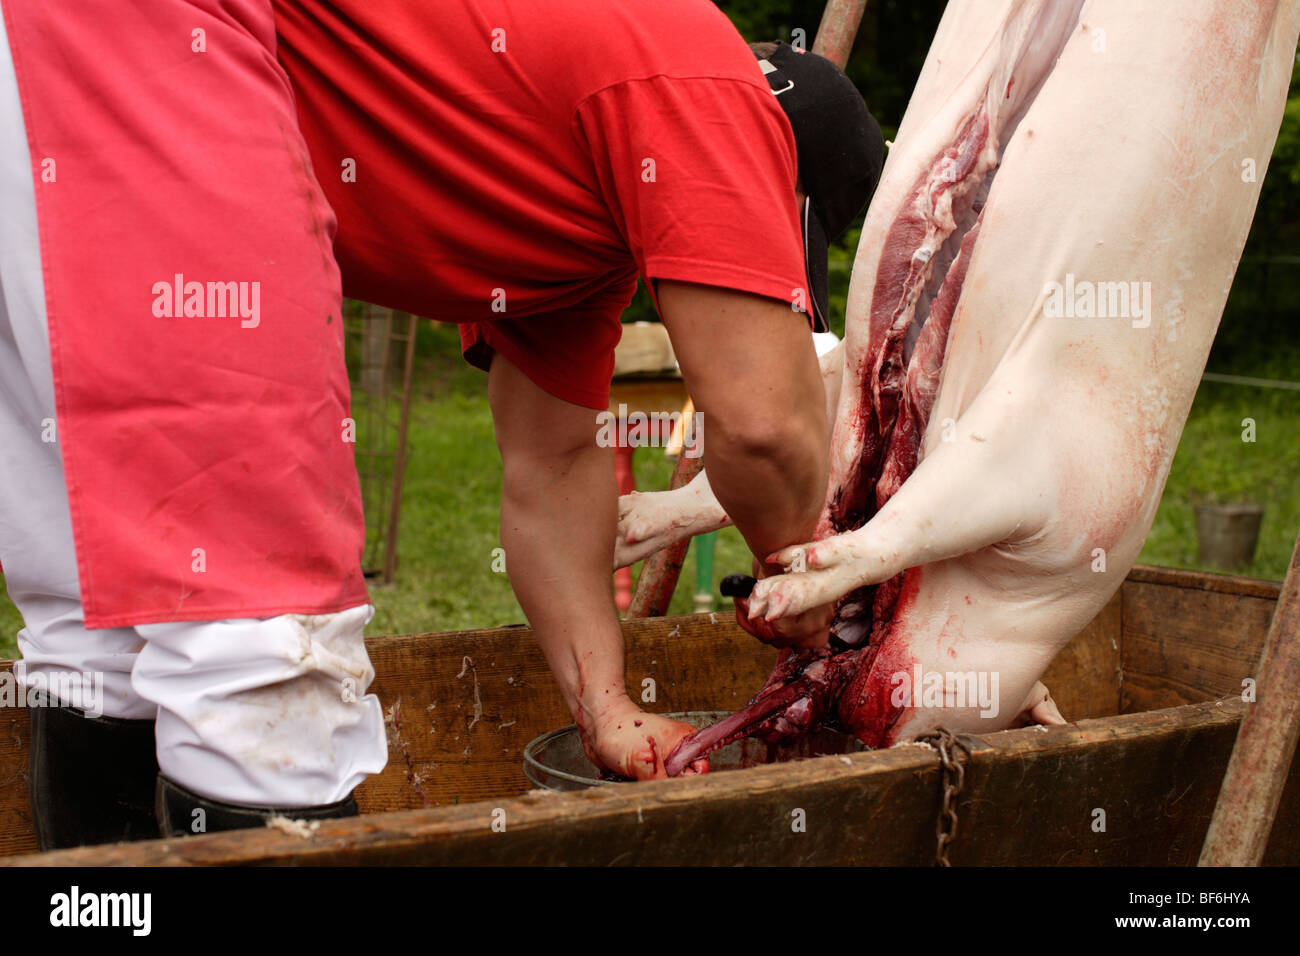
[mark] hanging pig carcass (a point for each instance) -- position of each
(1038, 282)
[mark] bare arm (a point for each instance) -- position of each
(653, 520)
(753, 375)
(558, 509)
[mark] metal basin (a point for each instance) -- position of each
(555, 760)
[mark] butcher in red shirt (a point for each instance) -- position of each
(513, 167)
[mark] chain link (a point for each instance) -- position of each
(953, 754)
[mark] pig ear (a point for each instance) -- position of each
(962, 497)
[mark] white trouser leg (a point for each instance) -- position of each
(271, 712)
(267, 712)
(36, 548)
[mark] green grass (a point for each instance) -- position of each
(1213, 462)
(449, 525)
(450, 522)
(10, 624)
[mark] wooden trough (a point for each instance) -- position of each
(1154, 683)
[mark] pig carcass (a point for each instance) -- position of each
(1038, 282)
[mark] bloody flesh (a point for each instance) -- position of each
(807, 687)
(973, 526)
(835, 685)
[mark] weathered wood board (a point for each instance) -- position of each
(461, 707)
(1189, 636)
(1155, 775)
(447, 749)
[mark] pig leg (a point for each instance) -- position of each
(956, 502)
(648, 522)
(1038, 708)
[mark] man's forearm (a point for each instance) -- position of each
(755, 379)
(773, 494)
(557, 527)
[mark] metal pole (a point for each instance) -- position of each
(1266, 742)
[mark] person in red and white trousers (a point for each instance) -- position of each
(180, 516)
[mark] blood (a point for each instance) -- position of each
(847, 685)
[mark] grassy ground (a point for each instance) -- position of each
(449, 511)
(1214, 462)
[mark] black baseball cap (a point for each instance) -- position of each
(839, 148)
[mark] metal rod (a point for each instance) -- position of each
(1266, 742)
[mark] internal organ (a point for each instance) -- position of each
(995, 466)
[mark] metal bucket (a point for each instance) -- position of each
(556, 761)
(1226, 534)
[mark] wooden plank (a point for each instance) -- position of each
(16, 834)
(1031, 799)
(1150, 779)
(438, 751)
(1084, 676)
(1204, 581)
(1182, 642)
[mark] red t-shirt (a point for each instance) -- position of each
(513, 165)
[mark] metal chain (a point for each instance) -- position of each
(953, 754)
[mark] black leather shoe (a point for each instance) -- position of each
(182, 812)
(91, 779)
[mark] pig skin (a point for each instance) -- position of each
(1118, 135)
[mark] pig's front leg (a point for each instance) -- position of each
(650, 521)
(963, 497)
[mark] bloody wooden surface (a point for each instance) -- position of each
(1135, 789)
(462, 706)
